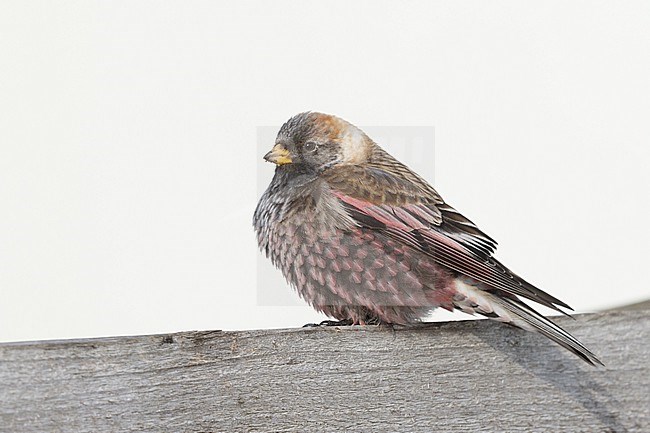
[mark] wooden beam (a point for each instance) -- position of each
(457, 377)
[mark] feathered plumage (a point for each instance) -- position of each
(363, 238)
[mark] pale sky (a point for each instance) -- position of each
(130, 146)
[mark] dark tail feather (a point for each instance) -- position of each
(545, 327)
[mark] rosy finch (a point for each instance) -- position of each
(365, 240)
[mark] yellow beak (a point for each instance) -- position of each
(278, 155)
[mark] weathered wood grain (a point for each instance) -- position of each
(474, 376)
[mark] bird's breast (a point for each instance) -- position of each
(331, 265)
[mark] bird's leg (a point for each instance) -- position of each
(386, 326)
(372, 320)
(346, 322)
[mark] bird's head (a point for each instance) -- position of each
(319, 141)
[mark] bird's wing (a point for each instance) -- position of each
(399, 186)
(414, 214)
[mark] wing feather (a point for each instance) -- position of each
(426, 223)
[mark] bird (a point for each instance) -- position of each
(365, 240)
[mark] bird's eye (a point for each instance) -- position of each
(310, 146)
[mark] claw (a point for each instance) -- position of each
(346, 322)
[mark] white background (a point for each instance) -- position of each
(128, 154)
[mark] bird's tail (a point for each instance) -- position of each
(511, 309)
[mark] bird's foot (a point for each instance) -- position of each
(387, 326)
(346, 322)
